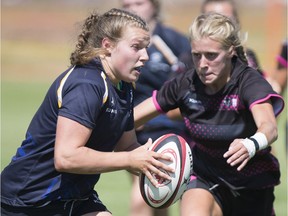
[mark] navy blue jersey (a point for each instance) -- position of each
(82, 94)
(214, 121)
(157, 71)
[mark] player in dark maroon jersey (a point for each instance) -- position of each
(230, 111)
(281, 71)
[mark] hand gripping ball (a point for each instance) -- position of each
(169, 191)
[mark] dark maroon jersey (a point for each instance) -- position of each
(214, 121)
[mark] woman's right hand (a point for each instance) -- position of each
(150, 163)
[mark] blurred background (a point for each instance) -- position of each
(37, 37)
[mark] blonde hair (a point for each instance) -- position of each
(96, 27)
(218, 28)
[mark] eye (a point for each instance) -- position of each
(136, 47)
(196, 55)
(211, 56)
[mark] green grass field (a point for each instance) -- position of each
(21, 100)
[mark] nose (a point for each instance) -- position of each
(202, 62)
(144, 55)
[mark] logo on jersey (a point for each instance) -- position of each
(112, 109)
(191, 101)
(230, 102)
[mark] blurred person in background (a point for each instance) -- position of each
(280, 74)
(84, 126)
(154, 74)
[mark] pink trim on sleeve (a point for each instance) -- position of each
(192, 178)
(278, 103)
(156, 104)
(282, 61)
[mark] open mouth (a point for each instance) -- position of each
(138, 68)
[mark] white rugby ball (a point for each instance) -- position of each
(169, 191)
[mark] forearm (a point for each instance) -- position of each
(144, 112)
(88, 161)
(175, 114)
(270, 131)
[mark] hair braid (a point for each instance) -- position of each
(219, 28)
(241, 54)
(97, 27)
(133, 18)
(83, 50)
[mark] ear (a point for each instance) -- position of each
(107, 44)
(231, 51)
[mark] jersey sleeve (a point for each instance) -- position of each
(255, 89)
(82, 102)
(168, 96)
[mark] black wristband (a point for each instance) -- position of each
(255, 143)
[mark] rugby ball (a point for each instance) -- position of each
(169, 191)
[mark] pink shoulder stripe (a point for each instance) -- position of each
(277, 103)
(282, 61)
(156, 104)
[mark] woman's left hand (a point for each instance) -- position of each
(237, 154)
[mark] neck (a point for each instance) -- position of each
(109, 71)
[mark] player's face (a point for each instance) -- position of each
(143, 8)
(129, 54)
(212, 62)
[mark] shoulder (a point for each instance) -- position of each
(175, 39)
(91, 73)
(181, 82)
(254, 89)
(88, 74)
(84, 80)
(249, 78)
(174, 34)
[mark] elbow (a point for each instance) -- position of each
(274, 134)
(61, 164)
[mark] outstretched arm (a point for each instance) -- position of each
(144, 112)
(241, 150)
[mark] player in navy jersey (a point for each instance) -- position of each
(230, 111)
(280, 75)
(156, 71)
(281, 72)
(85, 125)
